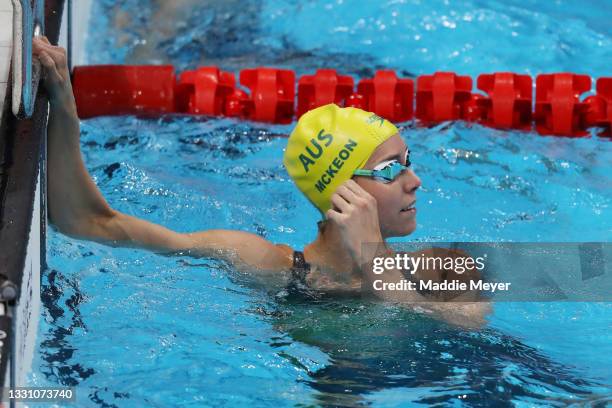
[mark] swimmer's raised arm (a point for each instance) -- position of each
(75, 203)
(78, 208)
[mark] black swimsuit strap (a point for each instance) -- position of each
(300, 267)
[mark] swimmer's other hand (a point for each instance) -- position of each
(56, 75)
(355, 211)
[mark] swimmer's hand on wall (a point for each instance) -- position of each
(355, 212)
(56, 75)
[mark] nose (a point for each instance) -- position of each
(412, 182)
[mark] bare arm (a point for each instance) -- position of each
(78, 208)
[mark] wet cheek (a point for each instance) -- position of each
(387, 202)
(387, 210)
(391, 221)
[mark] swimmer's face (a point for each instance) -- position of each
(395, 197)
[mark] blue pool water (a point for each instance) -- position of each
(129, 328)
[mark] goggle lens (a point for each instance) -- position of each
(386, 171)
(390, 170)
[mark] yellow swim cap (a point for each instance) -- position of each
(328, 144)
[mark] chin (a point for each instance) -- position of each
(408, 231)
(405, 228)
(409, 227)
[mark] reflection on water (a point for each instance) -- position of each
(191, 33)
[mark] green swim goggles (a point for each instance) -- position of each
(386, 171)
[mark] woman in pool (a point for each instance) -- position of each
(351, 164)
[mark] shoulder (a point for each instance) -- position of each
(260, 253)
(284, 255)
(267, 257)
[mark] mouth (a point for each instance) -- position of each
(409, 208)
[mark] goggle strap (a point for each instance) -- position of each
(361, 172)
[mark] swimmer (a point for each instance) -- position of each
(352, 165)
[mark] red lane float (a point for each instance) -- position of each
(324, 87)
(387, 95)
(442, 96)
(599, 112)
(238, 105)
(506, 101)
(123, 90)
(272, 94)
(204, 91)
(558, 109)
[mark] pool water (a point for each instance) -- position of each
(129, 328)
